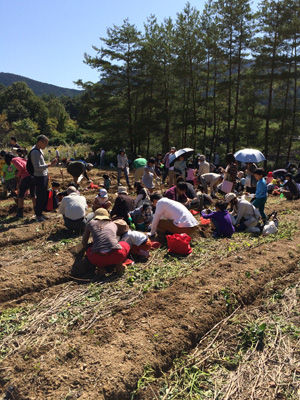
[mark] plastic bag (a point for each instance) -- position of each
(270, 228)
(179, 243)
(204, 221)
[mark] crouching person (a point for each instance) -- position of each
(105, 249)
(139, 243)
(221, 220)
(73, 207)
(244, 215)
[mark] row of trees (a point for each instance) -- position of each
(216, 81)
(26, 115)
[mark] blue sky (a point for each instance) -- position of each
(46, 40)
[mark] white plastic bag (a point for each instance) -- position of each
(270, 228)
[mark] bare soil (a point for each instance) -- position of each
(106, 359)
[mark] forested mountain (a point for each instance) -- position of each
(39, 88)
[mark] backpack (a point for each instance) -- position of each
(29, 165)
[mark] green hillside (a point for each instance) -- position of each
(39, 88)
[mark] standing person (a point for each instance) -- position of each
(40, 174)
(217, 160)
(57, 155)
(123, 166)
(230, 173)
(203, 166)
(102, 157)
(261, 192)
(158, 164)
(138, 168)
(149, 175)
(166, 161)
(171, 216)
(14, 144)
(180, 166)
(250, 181)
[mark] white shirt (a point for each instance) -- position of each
(73, 206)
(134, 237)
(174, 211)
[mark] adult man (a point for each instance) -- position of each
(78, 168)
(177, 193)
(290, 188)
(138, 168)
(57, 155)
(40, 174)
(213, 180)
(177, 218)
(169, 170)
(203, 166)
(73, 207)
(14, 144)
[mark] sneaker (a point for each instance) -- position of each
(40, 219)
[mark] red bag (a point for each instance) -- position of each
(204, 221)
(179, 243)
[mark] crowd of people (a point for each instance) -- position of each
(168, 192)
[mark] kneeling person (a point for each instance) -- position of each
(73, 207)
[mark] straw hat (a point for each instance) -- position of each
(101, 214)
(122, 226)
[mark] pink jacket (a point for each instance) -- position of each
(20, 164)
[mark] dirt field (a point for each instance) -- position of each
(65, 338)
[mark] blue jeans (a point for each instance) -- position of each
(41, 186)
(125, 173)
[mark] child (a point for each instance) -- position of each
(190, 174)
(101, 201)
(142, 217)
(139, 243)
(221, 220)
(107, 181)
(261, 192)
(9, 175)
(52, 201)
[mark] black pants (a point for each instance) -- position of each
(41, 186)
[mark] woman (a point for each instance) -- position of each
(149, 175)
(142, 194)
(105, 250)
(123, 166)
(244, 214)
(230, 173)
(180, 167)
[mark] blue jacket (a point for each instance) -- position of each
(261, 189)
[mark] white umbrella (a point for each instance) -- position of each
(249, 156)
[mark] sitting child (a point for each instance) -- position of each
(107, 181)
(139, 243)
(142, 217)
(221, 220)
(101, 201)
